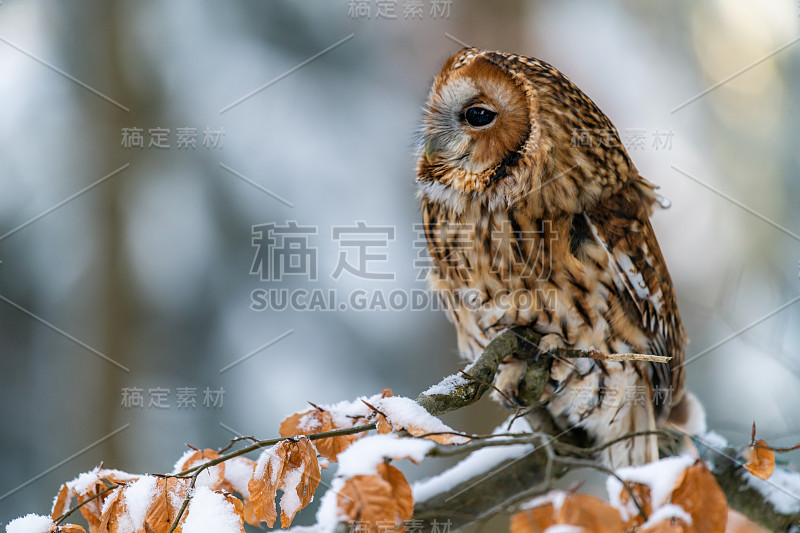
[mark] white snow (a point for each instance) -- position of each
(714, 440)
(84, 481)
(564, 528)
(556, 497)
(110, 498)
(328, 515)
(210, 511)
(661, 476)
(447, 385)
(309, 422)
(364, 455)
(290, 502)
(782, 490)
(138, 497)
(665, 512)
(483, 460)
(344, 413)
(406, 412)
(179, 463)
(362, 458)
(32, 523)
(238, 472)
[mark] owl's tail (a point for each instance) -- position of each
(632, 451)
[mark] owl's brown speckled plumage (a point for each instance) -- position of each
(527, 227)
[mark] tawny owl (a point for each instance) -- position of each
(535, 215)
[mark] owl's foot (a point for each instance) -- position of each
(550, 343)
(509, 375)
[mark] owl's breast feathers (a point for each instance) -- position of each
(596, 278)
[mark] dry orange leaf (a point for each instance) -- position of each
(579, 510)
(760, 460)
(701, 497)
(377, 499)
(93, 509)
(304, 473)
(212, 477)
(290, 466)
(170, 493)
(318, 421)
(70, 528)
(168, 496)
(642, 494)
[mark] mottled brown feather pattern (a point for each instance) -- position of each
(527, 228)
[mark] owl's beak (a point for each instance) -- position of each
(429, 151)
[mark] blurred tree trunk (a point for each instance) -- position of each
(93, 41)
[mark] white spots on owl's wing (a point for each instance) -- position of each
(628, 278)
(634, 276)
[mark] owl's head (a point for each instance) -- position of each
(501, 129)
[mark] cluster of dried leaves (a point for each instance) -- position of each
(696, 504)
(246, 491)
(247, 488)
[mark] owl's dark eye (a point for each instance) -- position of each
(478, 116)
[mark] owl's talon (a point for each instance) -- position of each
(509, 375)
(550, 343)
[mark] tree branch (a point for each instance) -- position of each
(516, 480)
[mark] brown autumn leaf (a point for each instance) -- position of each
(169, 495)
(642, 494)
(377, 499)
(113, 510)
(71, 528)
(382, 425)
(266, 480)
(302, 476)
(701, 497)
(212, 477)
(318, 420)
(578, 510)
(760, 460)
(60, 503)
(291, 466)
(86, 487)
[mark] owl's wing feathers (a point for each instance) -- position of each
(621, 226)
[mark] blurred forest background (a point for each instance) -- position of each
(150, 267)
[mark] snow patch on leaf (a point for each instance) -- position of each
(364, 456)
(32, 523)
(660, 476)
(667, 512)
(212, 511)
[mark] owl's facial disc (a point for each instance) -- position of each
(477, 115)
